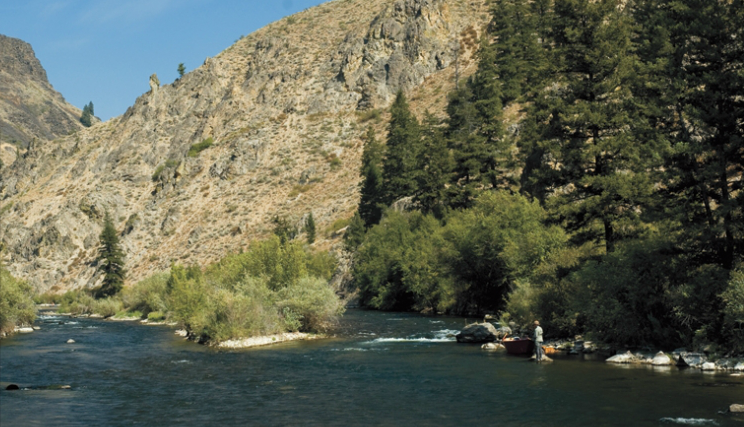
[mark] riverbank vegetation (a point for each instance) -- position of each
(589, 174)
(17, 306)
(277, 286)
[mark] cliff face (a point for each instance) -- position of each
(30, 109)
(285, 108)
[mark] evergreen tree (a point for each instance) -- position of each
(372, 197)
(354, 235)
(111, 260)
(87, 117)
(706, 96)
(467, 148)
(400, 165)
(181, 70)
(519, 53)
(596, 170)
(436, 168)
(310, 229)
(284, 230)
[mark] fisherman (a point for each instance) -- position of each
(538, 338)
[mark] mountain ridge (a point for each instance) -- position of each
(285, 108)
(31, 111)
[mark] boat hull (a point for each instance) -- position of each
(519, 346)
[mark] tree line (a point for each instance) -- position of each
(588, 174)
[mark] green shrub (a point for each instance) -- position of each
(77, 302)
(158, 171)
(147, 295)
(126, 314)
(107, 307)
(201, 146)
(156, 316)
(733, 299)
(310, 305)
(16, 302)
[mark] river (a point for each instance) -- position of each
(380, 369)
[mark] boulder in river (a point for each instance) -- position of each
(478, 333)
(693, 360)
(626, 357)
(71, 341)
(708, 366)
(662, 359)
(12, 387)
(739, 366)
(736, 408)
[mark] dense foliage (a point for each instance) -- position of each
(607, 202)
(16, 302)
(274, 287)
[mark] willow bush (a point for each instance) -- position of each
(16, 302)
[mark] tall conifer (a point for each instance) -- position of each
(372, 197)
(400, 165)
(593, 165)
(111, 259)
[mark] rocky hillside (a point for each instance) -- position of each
(284, 110)
(31, 111)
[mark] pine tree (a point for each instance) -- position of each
(436, 169)
(310, 228)
(400, 166)
(372, 197)
(593, 165)
(111, 260)
(87, 117)
(354, 235)
(706, 94)
(181, 70)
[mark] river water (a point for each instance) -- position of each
(380, 369)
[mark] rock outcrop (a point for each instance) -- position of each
(31, 111)
(283, 108)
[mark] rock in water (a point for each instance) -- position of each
(490, 346)
(12, 387)
(478, 333)
(626, 357)
(71, 341)
(693, 360)
(736, 408)
(661, 359)
(709, 366)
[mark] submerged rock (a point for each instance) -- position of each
(478, 333)
(490, 346)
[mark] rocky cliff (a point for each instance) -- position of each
(31, 111)
(284, 110)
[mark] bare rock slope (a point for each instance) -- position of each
(31, 111)
(284, 108)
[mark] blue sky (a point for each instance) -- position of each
(104, 51)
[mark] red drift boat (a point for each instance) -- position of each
(518, 345)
